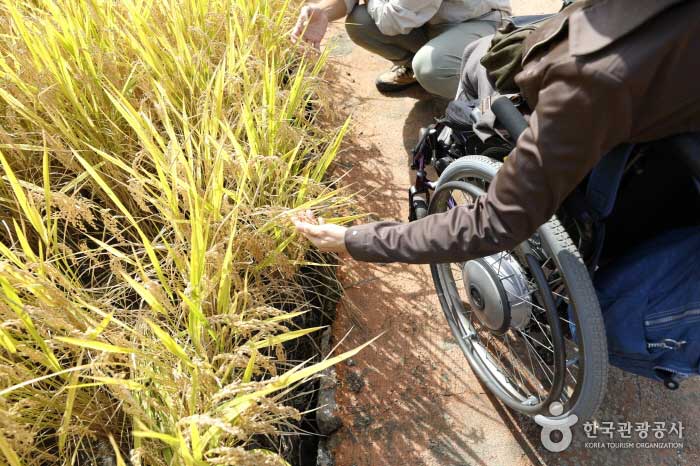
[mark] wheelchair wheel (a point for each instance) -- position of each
(527, 320)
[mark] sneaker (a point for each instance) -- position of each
(397, 78)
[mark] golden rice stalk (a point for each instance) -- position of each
(148, 152)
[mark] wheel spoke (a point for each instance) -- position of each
(545, 369)
(539, 343)
(510, 348)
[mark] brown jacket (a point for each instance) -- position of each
(599, 74)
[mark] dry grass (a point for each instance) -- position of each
(148, 151)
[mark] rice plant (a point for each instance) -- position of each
(149, 150)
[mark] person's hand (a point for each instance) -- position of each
(311, 25)
(325, 236)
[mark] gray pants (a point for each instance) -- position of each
(433, 50)
(475, 84)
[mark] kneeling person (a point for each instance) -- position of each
(423, 38)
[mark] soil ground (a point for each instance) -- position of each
(411, 399)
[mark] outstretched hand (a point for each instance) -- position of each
(311, 25)
(326, 237)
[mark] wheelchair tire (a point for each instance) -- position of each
(577, 300)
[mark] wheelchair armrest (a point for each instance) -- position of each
(509, 116)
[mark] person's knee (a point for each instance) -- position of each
(424, 67)
(358, 23)
(433, 74)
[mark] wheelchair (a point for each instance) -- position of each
(528, 320)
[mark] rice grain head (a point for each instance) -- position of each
(148, 153)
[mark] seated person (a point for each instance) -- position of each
(597, 75)
(423, 38)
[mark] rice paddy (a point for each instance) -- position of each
(149, 153)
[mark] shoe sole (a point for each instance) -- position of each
(386, 87)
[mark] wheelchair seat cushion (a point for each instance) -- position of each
(457, 115)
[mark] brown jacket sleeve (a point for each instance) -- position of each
(578, 116)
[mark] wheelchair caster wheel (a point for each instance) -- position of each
(420, 209)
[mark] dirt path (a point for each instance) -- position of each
(412, 400)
